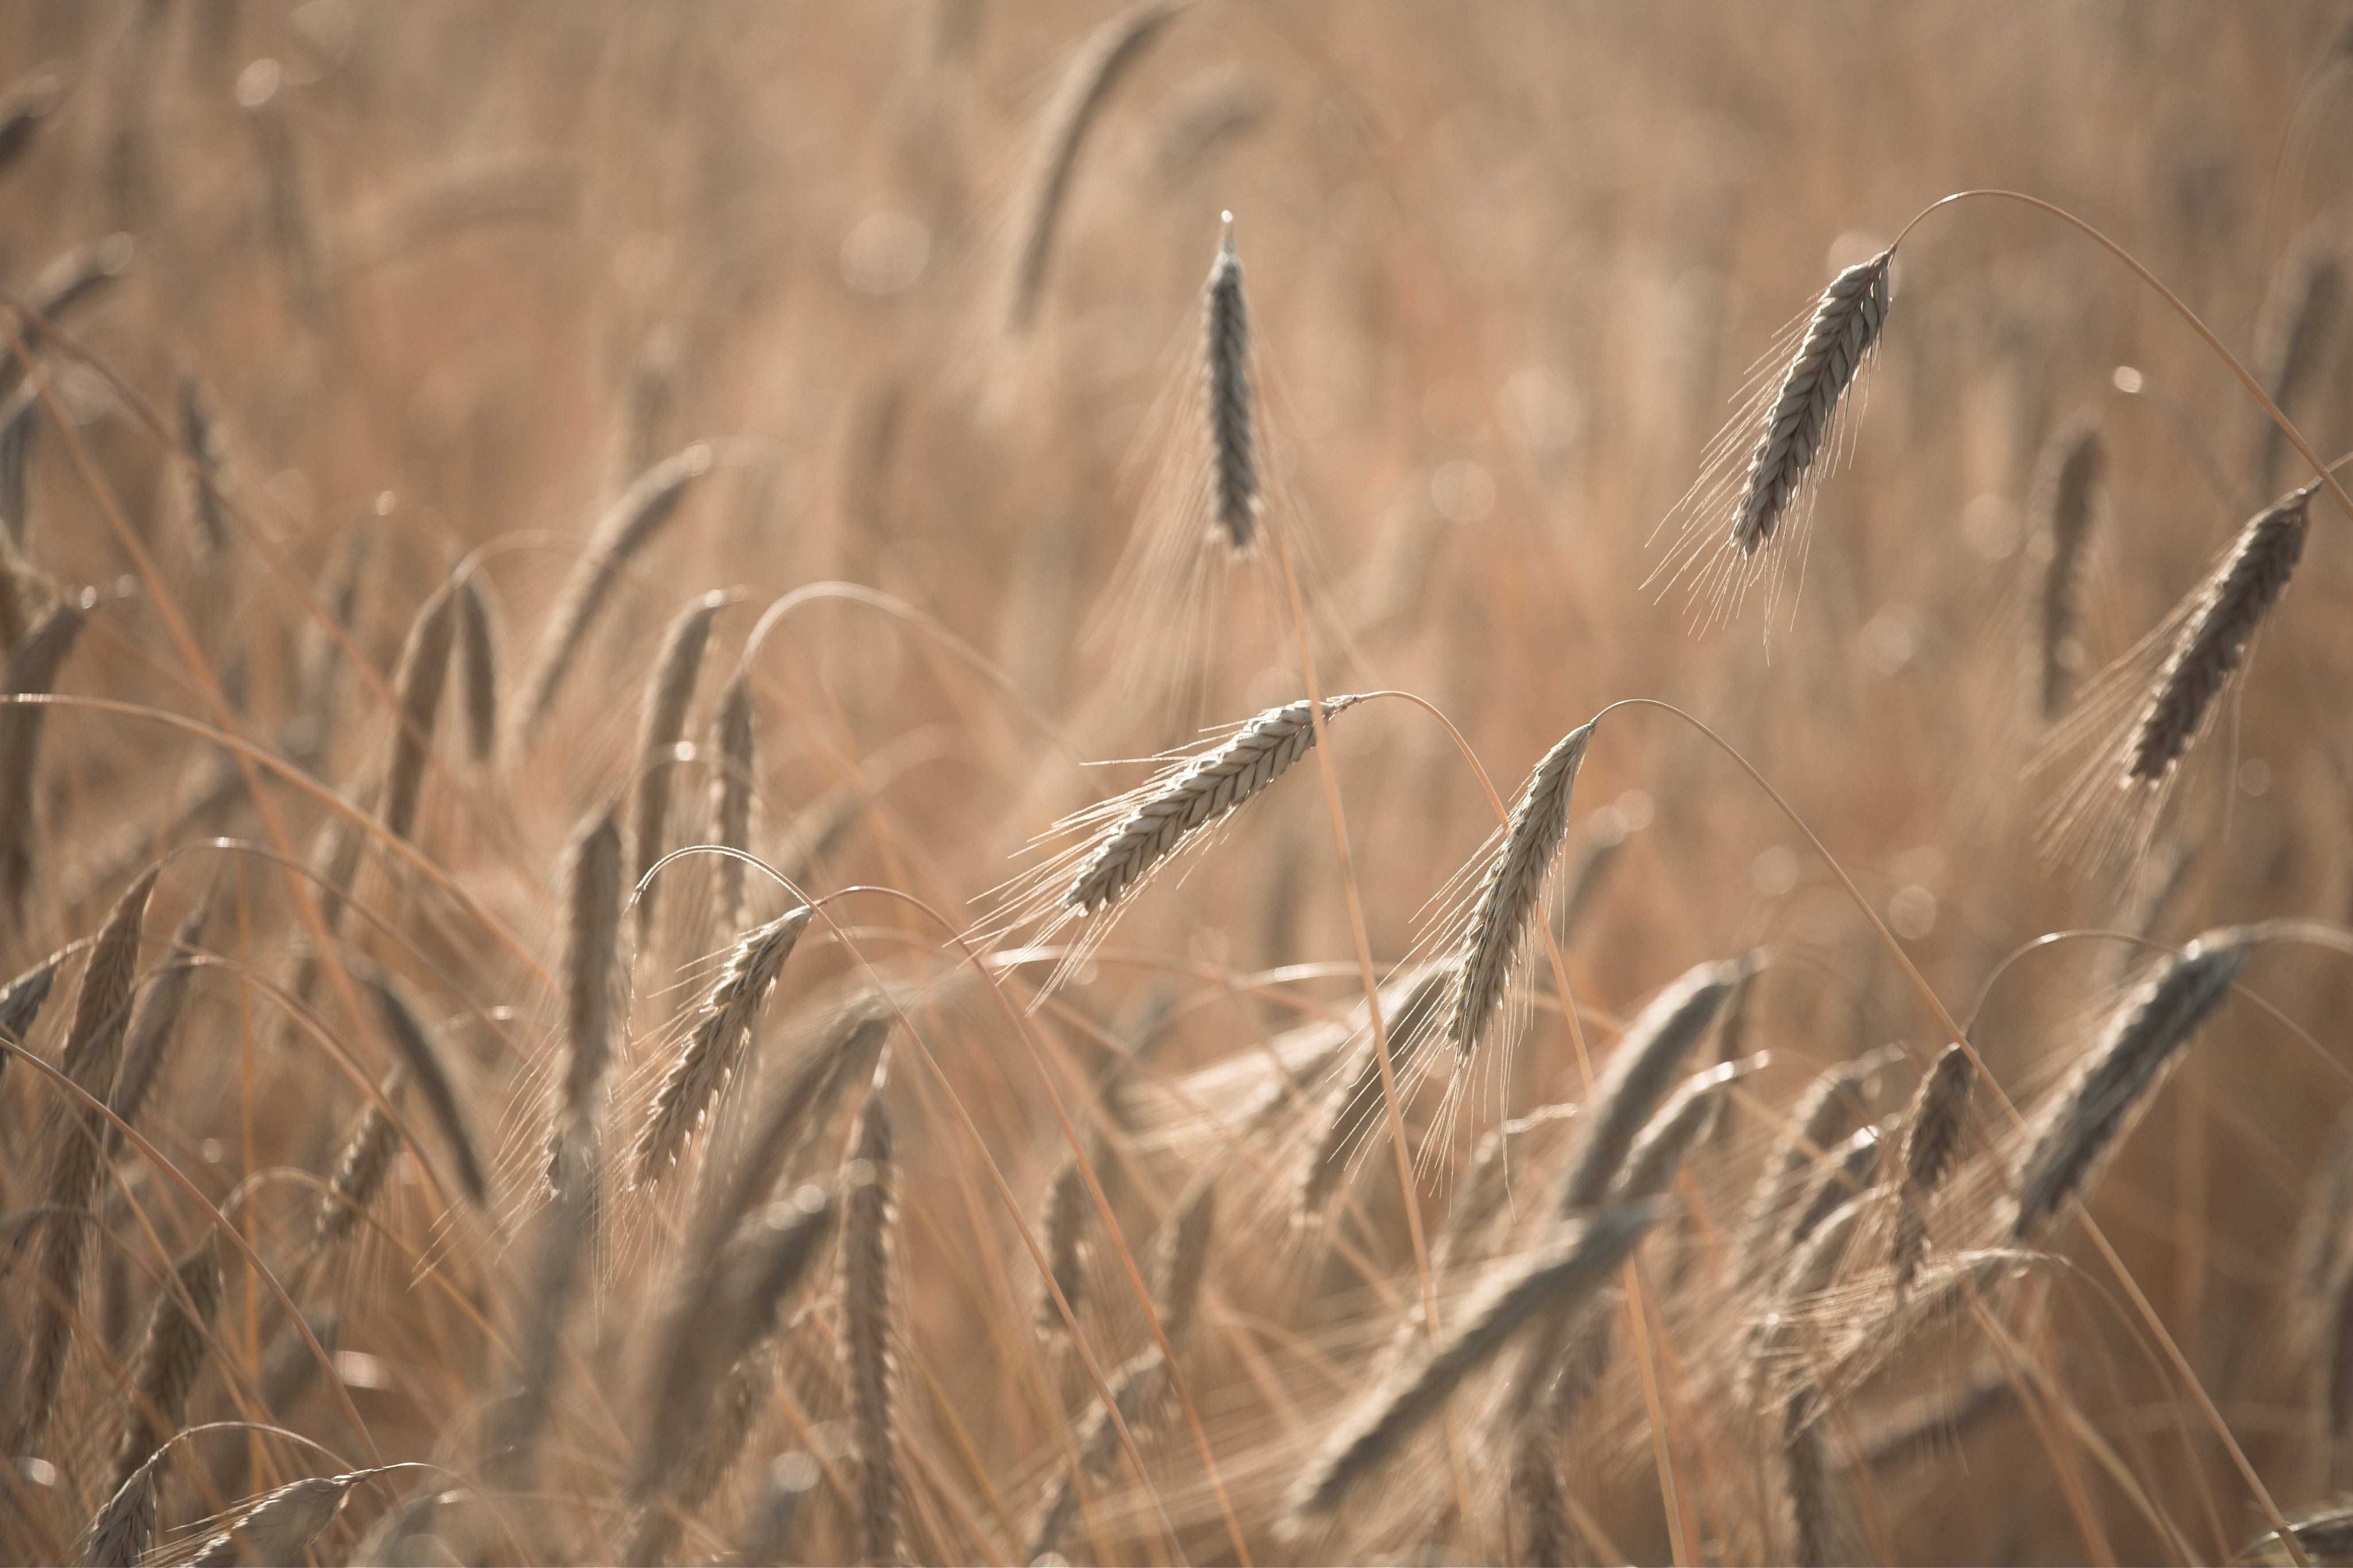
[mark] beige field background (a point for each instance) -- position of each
(448, 278)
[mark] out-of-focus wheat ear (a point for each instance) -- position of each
(1847, 1173)
(2066, 490)
(21, 1001)
(592, 957)
(730, 790)
(23, 593)
(708, 1059)
(1554, 1280)
(280, 1525)
(2069, 1139)
(200, 442)
(718, 1443)
(1838, 338)
(1587, 870)
(123, 1527)
(2224, 616)
(169, 1358)
(640, 513)
(154, 1027)
(92, 1051)
(24, 107)
(1110, 50)
(478, 655)
(2301, 339)
(870, 1215)
(1512, 889)
(405, 1028)
(659, 726)
(2323, 1225)
(72, 280)
(33, 668)
(1228, 397)
(322, 655)
(416, 686)
(1819, 1528)
(1932, 1131)
(289, 1369)
(1181, 1260)
(772, 1531)
(797, 1110)
(565, 1237)
(1138, 1391)
(393, 1539)
(2338, 1365)
(1648, 1056)
(1831, 1105)
(1544, 1536)
(1354, 1108)
(361, 1167)
(1677, 1128)
(1169, 811)
(1064, 1227)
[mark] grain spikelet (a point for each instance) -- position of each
(281, 1526)
(1514, 882)
(33, 668)
(153, 1026)
(409, 1037)
(1138, 1389)
(867, 1290)
(1652, 1047)
(659, 725)
(360, 1170)
(715, 1048)
(423, 669)
(2068, 1140)
(477, 656)
(1658, 1155)
(1226, 397)
(591, 964)
(1932, 1143)
(170, 1357)
(1831, 1105)
(634, 520)
(2064, 492)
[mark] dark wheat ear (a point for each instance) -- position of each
(1932, 1143)
(1234, 498)
(2066, 490)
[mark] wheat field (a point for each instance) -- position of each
(961, 780)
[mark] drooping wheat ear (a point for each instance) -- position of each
(635, 519)
(1658, 1155)
(32, 669)
(1138, 1392)
(723, 1305)
(1932, 1144)
(153, 1027)
(125, 1525)
(21, 1001)
(2302, 338)
(2224, 616)
(709, 1057)
(405, 1029)
(1182, 1259)
(200, 441)
(1817, 1514)
(170, 1357)
(591, 962)
(1845, 325)
(1514, 885)
(478, 655)
(360, 1170)
(1539, 1499)
(2066, 488)
(1831, 1105)
(659, 725)
(1110, 50)
(867, 1289)
(281, 1526)
(566, 1227)
(1645, 1062)
(797, 1111)
(1191, 797)
(730, 790)
(92, 1050)
(1554, 1280)
(717, 1445)
(2069, 1139)
(424, 671)
(1847, 1173)
(1234, 498)
(1354, 1108)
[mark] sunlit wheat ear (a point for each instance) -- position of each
(1110, 50)
(660, 723)
(632, 522)
(710, 1053)
(1576, 1259)
(1512, 886)
(2070, 1139)
(424, 671)
(1932, 1131)
(730, 790)
(868, 1290)
(1741, 522)
(1227, 396)
(123, 1527)
(33, 668)
(478, 655)
(2066, 490)
(281, 1526)
(1830, 1108)
(1678, 1125)
(1639, 1070)
(413, 1042)
(170, 1357)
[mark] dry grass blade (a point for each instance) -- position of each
(406, 1031)
(1576, 1261)
(2066, 1142)
(170, 1357)
(1645, 1062)
(592, 958)
(1190, 798)
(1228, 397)
(477, 656)
(1838, 338)
(33, 668)
(1110, 50)
(635, 519)
(659, 726)
(2065, 491)
(870, 1212)
(1512, 889)
(153, 1027)
(711, 1052)
(1932, 1144)
(423, 669)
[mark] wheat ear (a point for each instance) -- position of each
(281, 1526)
(1192, 796)
(21, 1001)
(1847, 1173)
(1234, 498)
(32, 667)
(730, 790)
(1831, 1105)
(800, 1105)
(867, 1289)
(1658, 1155)
(153, 1027)
(478, 659)
(659, 725)
(1514, 882)
(1932, 1144)
(414, 1043)
(715, 1048)
(2064, 492)
(170, 1357)
(1839, 336)
(360, 1170)
(591, 964)
(2301, 340)
(200, 442)
(416, 686)
(1647, 1056)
